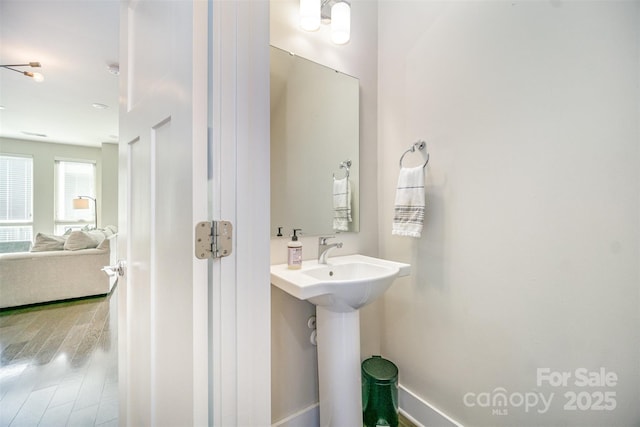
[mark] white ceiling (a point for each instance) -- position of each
(75, 41)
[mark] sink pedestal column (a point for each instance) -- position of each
(339, 368)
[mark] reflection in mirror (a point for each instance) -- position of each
(314, 136)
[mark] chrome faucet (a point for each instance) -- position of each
(324, 248)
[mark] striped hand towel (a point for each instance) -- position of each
(410, 202)
(341, 204)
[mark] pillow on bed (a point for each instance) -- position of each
(47, 242)
(78, 240)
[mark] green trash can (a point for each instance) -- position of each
(379, 392)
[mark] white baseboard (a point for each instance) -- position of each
(307, 417)
(417, 410)
(422, 413)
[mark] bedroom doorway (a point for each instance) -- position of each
(236, 121)
(58, 361)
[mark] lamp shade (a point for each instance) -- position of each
(310, 15)
(340, 23)
(80, 203)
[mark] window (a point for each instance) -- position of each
(74, 179)
(16, 198)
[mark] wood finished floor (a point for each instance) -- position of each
(403, 422)
(58, 364)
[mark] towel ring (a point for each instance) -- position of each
(344, 165)
(420, 145)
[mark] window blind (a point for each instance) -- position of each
(16, 198)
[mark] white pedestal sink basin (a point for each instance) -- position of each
(339, 289)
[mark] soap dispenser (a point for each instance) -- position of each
(294, 251)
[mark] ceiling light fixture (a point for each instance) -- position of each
(335, 12)
(35, 76)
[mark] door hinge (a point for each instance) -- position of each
(214, 239)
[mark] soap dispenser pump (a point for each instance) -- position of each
(294, 251)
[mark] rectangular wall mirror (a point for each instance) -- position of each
(314, 131)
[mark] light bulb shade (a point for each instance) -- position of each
(340, 23)
(310, 15)
(38, 77)
(80, 203)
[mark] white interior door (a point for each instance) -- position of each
(188, 354)
(163, 161)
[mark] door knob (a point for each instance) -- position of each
(113, 270)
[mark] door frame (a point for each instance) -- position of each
(239, 133)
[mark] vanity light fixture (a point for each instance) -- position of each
(35, 76)
(82, 202)
(335, 12)
(340, 22)
(310, 14)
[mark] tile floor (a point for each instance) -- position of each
(58, 364)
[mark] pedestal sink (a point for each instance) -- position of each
(339, 289)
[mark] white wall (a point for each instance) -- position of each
(530, 254)
(44, 156)
(294, 365)
(109, 205)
